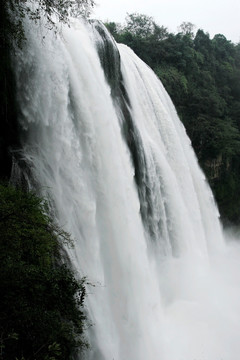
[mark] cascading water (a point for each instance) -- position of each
(109, 151)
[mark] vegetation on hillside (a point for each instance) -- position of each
(202, 77)
(41, 304)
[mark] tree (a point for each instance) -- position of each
(140, 25)
(187, 28)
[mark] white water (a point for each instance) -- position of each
(172, 294)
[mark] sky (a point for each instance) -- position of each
(213, 16)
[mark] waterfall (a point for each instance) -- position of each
(102, 141)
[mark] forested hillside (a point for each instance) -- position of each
(202, 76)
(41, 306)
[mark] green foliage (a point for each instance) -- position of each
(174, 81)
(202, 77)
(41, 306)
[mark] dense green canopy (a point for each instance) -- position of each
(41, 303)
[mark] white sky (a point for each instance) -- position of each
(213, 16)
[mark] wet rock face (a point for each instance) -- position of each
(215, 166)
(222, 174)
(9, 135)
